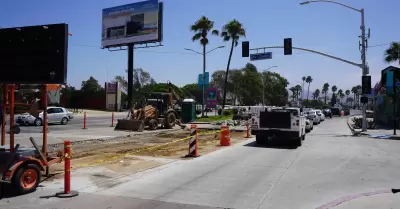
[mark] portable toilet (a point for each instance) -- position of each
(188, 110)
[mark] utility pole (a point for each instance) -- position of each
(364, 67)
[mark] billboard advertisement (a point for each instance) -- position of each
(138, 22)
(211, 98)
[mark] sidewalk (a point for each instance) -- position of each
(374, 133)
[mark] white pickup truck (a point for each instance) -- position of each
(283, 123)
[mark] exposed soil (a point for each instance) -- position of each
(124, 155)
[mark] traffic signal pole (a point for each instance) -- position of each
(394, 102)
(364, 68)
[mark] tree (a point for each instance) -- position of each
(293, 90)
(325, 89)
(341, 95)
(316, 94)
(275, 92)
(347, 92)
(91, 85)
(140, 79)
(308, 80)
(304, 80)
(201, 28)
(334, 89)
(333, 100)
(392, 54)
(232, 31)
(338, 94)
(298, 91)
(354, 90)
(192, 91)
(247, 87)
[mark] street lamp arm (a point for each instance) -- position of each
(193, 51)
(215, 49)
(334, 2)
(313, 51)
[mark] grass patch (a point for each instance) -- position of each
(214, 118)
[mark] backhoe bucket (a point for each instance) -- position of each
(131, 125)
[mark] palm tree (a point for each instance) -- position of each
(308, 80)
(201, 28)
(340, 92)
(392, 54)
(298, 91)
(334, 89)
(325, 89)
(232, 32)
(347, 92)
(341, 95)
(316, 94)
(304, 80)
(354, 90)
(294, 91)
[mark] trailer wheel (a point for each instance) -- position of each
(298, 141)
(26, 179)
(170, 119)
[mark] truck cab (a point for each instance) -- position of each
(284, 123)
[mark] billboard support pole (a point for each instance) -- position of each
(130, 74)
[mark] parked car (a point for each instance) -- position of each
(309, 125)
(335, 111)
(312, 115)
(327, 112)
(54, 115)
(320, 114)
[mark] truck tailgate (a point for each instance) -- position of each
(275, 120)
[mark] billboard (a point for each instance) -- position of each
(34, 54)
(138, 22)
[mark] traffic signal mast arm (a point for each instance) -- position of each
(312, 51)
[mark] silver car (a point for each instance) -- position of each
(54, 115)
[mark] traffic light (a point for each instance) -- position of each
(245, 48)
(287, 46)
(364, 100)
(366, 84)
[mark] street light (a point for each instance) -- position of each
(363, 48)
(204, 74)
(263, 85)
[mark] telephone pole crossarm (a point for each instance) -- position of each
(312, 51)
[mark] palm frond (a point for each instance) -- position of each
(215, 32)
(196, 37)
(226, 38)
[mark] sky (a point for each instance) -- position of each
(323, 27)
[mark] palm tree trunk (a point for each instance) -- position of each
(203, 99)
(226, 75)
(302, 90)
(308, 89)
(325, 98)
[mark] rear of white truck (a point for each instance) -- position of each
(281, 123)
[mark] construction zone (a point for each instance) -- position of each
(152, 111)
(133, 153)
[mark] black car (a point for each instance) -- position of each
(327, 113)
(335, 111)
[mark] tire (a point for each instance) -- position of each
(64, 121)
(153, 124)
(26, 179)
(298, 141)
(38, 122)
(169, 121)
(260, 140)
(303, 137)
(308, 130)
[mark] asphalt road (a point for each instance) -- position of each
(92, 121)
(331, 170)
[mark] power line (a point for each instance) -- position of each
(137, 50)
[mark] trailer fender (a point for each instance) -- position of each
(14, 167)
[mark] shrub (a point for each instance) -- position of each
(235, 111)
(226, 112)
(358, 123)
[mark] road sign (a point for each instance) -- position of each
(261, 56)
(211, 98)
(200, 80)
